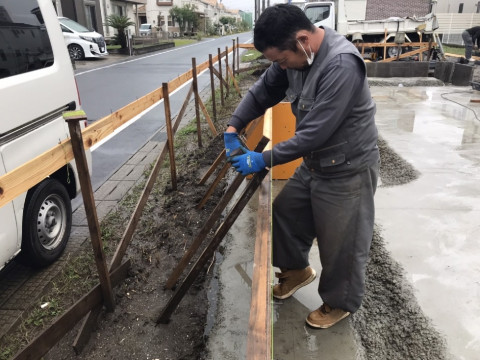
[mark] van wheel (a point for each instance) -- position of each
(76, 52)
(47, 221)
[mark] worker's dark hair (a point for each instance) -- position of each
(277, 26)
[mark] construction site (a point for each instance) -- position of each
(175, 246)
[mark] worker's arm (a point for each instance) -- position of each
(266, 92)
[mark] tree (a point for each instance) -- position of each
(120, 23)
(184, 16)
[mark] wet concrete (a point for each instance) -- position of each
(423, 285)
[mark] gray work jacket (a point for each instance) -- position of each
(335, 125)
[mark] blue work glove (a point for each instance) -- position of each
(248, 163)
(232, 143)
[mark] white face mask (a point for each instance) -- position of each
(312, 55)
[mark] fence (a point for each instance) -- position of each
(451, 26)
(26, 176)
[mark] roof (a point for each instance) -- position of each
(383, 9)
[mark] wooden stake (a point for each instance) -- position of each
(226, 71)
(212, 246)
(90, 320)
(212, 168)
(233, 53)
(207, 117)
(212, 219)
(238, 53)
(73, 118)
(221, 76)
(212, 86)
(168, 123)
(197, 105)
(235, 84)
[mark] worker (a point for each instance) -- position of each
(471, 39)
(330, 197)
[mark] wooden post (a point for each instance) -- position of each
(73, 118)
(259, 324)
(196, 96)
(385, 45)
(221, 77)
(168, 123)
(212, 86)
(238, 53)
(226, 71)
(233, 62)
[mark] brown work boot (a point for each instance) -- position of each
(325, 316)
(290, 281)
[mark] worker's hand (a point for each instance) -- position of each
(248, 163)
(232, 143)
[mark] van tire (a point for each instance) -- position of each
(47, 221)
(76, 52)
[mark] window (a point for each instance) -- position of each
(118, 10)
(317, 13)
(24, 42)
(170, 22)
(478, 7)
(460, 8)
(91, 17)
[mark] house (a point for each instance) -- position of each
(92, 13)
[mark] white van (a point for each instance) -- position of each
(145, 29)
(37, 84)
(81, 42)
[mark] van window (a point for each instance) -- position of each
(73, 25)
(24, 42)
(317, 13)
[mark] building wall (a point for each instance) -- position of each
(452, 6)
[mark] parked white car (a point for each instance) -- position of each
(81, 42)
(37, 84)
(145, 29)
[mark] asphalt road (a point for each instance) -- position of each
(105, 89)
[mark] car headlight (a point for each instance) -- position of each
(87, 38)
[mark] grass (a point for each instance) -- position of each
(454, 50)
(183, 42)
(250, 55)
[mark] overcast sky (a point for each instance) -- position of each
(245, 5)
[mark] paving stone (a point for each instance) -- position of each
(104, 207)
(123, 172)
(8, 318)
(104, 190)
(79, 217)
(119, 191)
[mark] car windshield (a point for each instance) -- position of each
(145, 26)
(74, 25)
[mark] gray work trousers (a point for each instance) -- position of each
(467, 39)
(340, 213)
